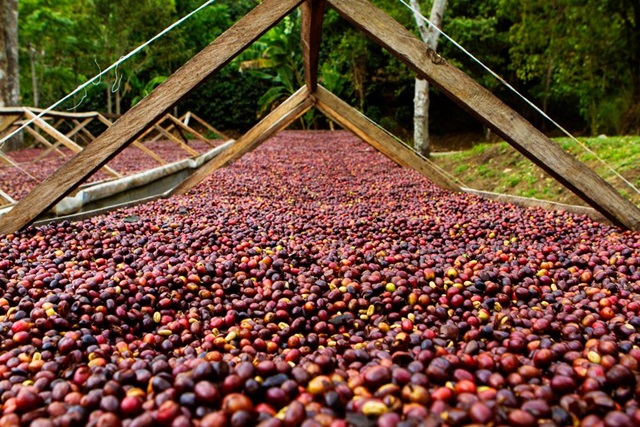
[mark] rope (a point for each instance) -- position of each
(525, 99)
(112, 66)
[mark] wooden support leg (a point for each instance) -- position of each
(350, 118)
(63, 139)
(312, 17)
(133, 123)
(278, 119)
(518, 132)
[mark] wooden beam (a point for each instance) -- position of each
(574, 175)
(351, 119)
(278, 119)
(189, 129)
(208, 126)
(140, 146)
(132, 124)
(312, 17)
(50, 113)
(62, 138)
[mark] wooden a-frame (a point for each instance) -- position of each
(381, 28)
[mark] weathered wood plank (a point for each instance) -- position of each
(278, 119)
(128, 127)
(574, 175)
(351, 119)
(52, 113)
(311, 37)
(62, 138)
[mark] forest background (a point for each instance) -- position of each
(579, 60)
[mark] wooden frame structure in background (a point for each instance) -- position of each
(381, 28)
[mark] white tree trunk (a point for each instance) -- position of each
(430, 36)
(33, 59)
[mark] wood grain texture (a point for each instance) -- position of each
(481, 103)
(353, 120)
(311, 37)
(132, 124)
(278, 119)
(63, 139)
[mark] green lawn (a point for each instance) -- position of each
(500, 168)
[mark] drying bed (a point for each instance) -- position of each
(316, 283)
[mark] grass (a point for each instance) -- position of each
(500, 168)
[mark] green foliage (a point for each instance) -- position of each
(500, 168)
(578, 60)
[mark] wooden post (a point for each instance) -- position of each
(62, 138)
(351, 119)
(532, 143)
(312, 17)
(133, 123)
(278, 119)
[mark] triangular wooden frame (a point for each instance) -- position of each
(381, 28)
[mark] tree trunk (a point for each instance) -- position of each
(33, 59)
(4, 66)
(9, 72)
(430, 36)
(108, 93)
